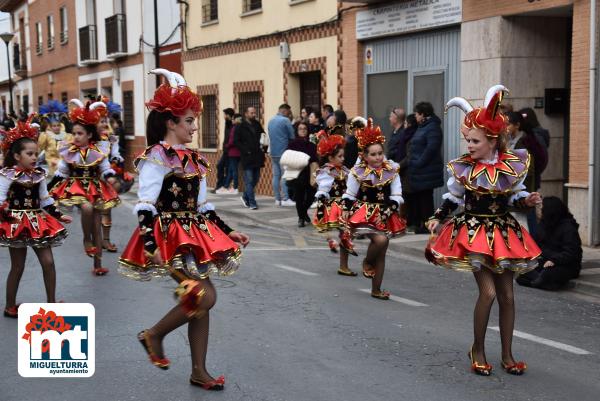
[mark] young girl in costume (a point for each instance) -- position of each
(53, 112)
(23, 195)
(331, 185)
(84, 177)
(106, 133)
(372, 203)
(486, 239)
(179, 233)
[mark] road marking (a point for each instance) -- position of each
(308, 248)
(550, 343)
(295, 270)
(405, 301)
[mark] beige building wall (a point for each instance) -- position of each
(263, 65)
(526, 57)
(275, 16)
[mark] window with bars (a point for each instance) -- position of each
(64, 97)
(128, 116)
(209, 122)
(251, 5)
(250, 99)
(38, 38)
(50, 26)
(64, 27)
(210, 10)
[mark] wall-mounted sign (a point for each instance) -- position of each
(369, 55)
(407, 17)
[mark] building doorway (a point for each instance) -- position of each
(310, 89)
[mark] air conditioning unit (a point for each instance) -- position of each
(284, 50)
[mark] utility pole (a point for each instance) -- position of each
(156, 48)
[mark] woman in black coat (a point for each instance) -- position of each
(304, 191)
(559, 240)
(425, 163)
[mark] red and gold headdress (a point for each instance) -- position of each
(88, 114)
(174, 96)
(368, 134)
(486, 117)
(329, 143)
(23, 129)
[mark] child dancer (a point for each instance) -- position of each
(486, 239)
(179, 233)
(52, 112)
(372, 203)
(23, 195)
(81, 174)
(106, 133)
(331, 185)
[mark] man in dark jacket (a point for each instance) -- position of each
(247, 140)
(224, 160)
(425, 162)
(397, 117)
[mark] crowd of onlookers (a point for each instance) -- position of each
(415, 143)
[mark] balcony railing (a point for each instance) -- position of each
(88, 48)
(51, 42)
(210, 12)
(64, 37)
(116, 35)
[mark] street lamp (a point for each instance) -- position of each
(7, 37)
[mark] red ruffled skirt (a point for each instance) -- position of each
(34, 228)
(369, 218)
(77, 191)
(514, 250)
(192, 245)
(328, 215)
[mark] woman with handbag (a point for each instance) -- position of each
(303, 185)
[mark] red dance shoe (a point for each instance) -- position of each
(515, 368)
(214, 385)
(333, 245)
(100, 271)
(162, 363)
(12, 312)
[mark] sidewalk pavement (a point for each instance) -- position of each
(410, 246)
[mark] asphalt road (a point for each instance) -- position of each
(286, 327)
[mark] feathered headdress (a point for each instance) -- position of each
(174, 96)
(53, 111)
(88, 114)
(486, 117)
(23, 129)
(369, 134)
(329, 143)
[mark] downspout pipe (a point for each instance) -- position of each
(592, 197)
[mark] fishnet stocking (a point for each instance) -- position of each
(481, 315)
(376, 258)
(506, 303)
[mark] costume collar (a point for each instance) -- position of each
(493, 168)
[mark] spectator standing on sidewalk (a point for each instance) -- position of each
(281, 133)
(326, 112)
(397, 118)
(304, 191)
(247, 140)
(314, 125)
(425, 163)
(222, 164)
(408, 208)
(233, 156)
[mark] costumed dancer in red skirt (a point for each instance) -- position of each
(179, 233)
(23, 195)
(331, 185)
(372, 203)
(84, 177)
(122, 182)
(486, 239)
